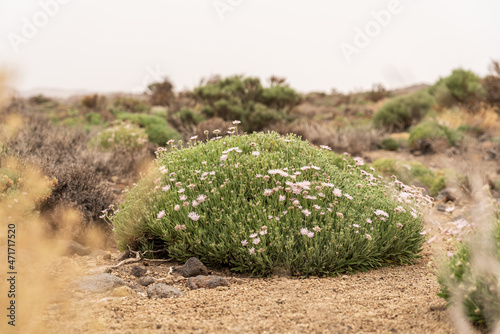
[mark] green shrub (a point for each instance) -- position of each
(188, 116)
(157, 128)
(129, 104)
(245, 99)
(473, 285)
(465, 86)
(262, 203)
(389, 144)
(401, 112)
(442, 94)
(121, 135)
(430, 131)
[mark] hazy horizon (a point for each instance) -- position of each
(123, 45)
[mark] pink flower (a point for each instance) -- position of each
(355, 225)
(251, 250)
(381, 213)
(255, 153)
(244, 242)
(195, 203)
(223, 157)
(180, 227)
(166, 188)
(183, 198)
(337, 192)
(193, 216)
(306, 212)
(310, 234)
(282, 198)
(304, 231)
(368, 220)
(263, 232)
(180, 191)
(399, 225)
(268, 192)
(432, 239)
(177, 207)
(203, 162)
(296, 202)
(317, 229)
(253, 235)
(256, 241)
(340, 215)
(349, 197)
(369, 237)
(201, 198)
(161, 214)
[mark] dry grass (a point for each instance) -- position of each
(487, 118)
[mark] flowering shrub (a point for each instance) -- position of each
(474, 282)
(262, 203)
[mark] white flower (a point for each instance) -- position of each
(223, 157)
(244, 242)
(251, 250)
(180, 191)
(161, 214)
(349, 197)
(193, 216)
(337, 192)
(304, 231)
(263, 232)
(310, 234)
(256, 241)
(253, 235)
(368, 220)
(166, 188)
(282, 198)
(306, 212)
(236, 122)
(255, 153)
(369, 237)
(193, 137)
(195, 203)
(201, 198)
(177, 207)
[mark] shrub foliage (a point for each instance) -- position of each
(262, 203)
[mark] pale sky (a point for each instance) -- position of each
(122, 45)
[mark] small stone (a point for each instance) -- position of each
(192, 267)
(138, 270)
(206, 282)
(441, 207)
(106, 257)
(162, 290)
(122, 291)
(136, 287)
(146, 280)
(99, 283)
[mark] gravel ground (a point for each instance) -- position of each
(388, 300)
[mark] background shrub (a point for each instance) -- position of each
(464, 86)
(258, 213)
(121, 135)
(129, 104)
(428, 137)
(157, 128)
(401, 112)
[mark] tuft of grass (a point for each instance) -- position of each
(121, 135)
(430, 132)
(261, 202)
(157, 128)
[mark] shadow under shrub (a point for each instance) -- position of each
(262, 203)
(432, 137)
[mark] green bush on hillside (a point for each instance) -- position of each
(475, 286)
(247, 100)
(430, 131)
(402, 112)
(129, 104)
(157, 128)
(263, 203)
(464, 86)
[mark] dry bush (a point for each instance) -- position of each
(352, 140)
(210, 125)
(486, 119)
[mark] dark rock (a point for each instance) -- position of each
(206, 282)
(146, 280)
(71, 247)
(99, 283)
(192, 267)
(161, 290)
(446, 195)
(138, 270)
